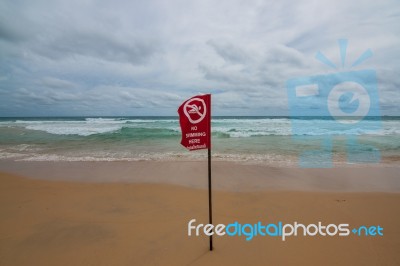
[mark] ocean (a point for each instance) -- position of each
(265, 140)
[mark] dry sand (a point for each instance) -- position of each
(56, 222)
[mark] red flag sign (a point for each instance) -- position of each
(195, 121)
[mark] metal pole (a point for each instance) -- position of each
(209, 196)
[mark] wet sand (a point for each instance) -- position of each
(227, 176)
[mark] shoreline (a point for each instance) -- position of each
(272, 160)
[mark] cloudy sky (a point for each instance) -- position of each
(82, 57)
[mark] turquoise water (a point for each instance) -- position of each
(254, 139)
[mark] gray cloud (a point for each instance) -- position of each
(229, 52)
(97, 45)
(52, 82)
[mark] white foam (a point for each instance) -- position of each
(81, 128)
(235, 128)
(104, 121)
(166, 156)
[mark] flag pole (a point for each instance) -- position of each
(209, 178)
(209, 195)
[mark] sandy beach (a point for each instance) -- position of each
(83, 214)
